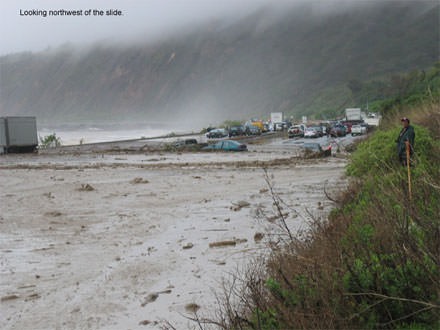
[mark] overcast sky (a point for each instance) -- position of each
(141, 17)
(147, 18)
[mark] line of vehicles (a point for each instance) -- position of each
(353, 124)
(238, 130)
(329, 128)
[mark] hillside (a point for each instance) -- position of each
(297, 62)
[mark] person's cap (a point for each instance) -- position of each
(405, 119)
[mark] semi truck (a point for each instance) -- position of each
(18, 134)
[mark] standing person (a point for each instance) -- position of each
(406, 134)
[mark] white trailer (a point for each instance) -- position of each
(18, 134)
(276, 117)
(353, 114)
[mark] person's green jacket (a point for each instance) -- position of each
(406, 134)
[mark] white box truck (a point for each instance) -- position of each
(276, 117)
(353, 114)
(18, 134)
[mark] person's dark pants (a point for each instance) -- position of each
(402, 159)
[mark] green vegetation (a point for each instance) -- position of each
(50, 141)
(381, 95)
(405, 90)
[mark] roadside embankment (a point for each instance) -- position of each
(373, 263)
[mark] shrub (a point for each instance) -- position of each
(50, 141)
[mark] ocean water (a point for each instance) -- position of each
(91, 134)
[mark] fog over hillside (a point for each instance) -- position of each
(264, 58)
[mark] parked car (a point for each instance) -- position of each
(338, 130)
(266, 128)
(252, 130)
(278, 126)
(295, 131)
(287, 124)
(316, 148)
(182, 143)
(320, 130)
(358, 130)
(228, 145)
(348, 125)
(311, 132)
(236, 131)
(217, 133)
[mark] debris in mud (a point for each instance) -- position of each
(192, 307)
(27, 286)
(273, 218)
(167, 291)
(150, 298)
(227, 219)
(10, 297)
(144, 322)
(240, 240)
(86, 187)
(276, 217)
(153, 296)
(53, 214)
(258, 237)
(197, 177)
(188, 246)
(264, 190)
(33, 296)
(222, 243)
(239, 205)
(48, 195)
(139, 180)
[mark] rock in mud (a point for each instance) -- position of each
(192, 307)
(86, 187)
(272, 219)
(48, 195)
(239, 205)
(144, 322)
(139, 180)
(188, 246)
(150, 298)
(53, 214)
(258, 237)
